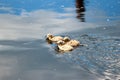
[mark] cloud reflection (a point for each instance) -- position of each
(7, 9)
(36, 24)
(8, 67)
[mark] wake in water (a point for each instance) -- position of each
(101, 56)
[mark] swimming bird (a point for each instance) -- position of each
(64, 47)
(73, 43)
(52, 38)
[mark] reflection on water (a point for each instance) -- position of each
(24, 54)
(37, 24)
(35, 63)
(80, 10)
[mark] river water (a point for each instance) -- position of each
(25, 55)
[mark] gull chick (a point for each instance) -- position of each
(64, 47)
(73, 43)
(52, 38)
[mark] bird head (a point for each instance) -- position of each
(60, 42)
(49, 36)
(66, 39)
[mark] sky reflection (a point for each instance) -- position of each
(37, 24)
(8, 67)
(30, 5)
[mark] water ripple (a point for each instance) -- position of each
(102, 55)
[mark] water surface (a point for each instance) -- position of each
(25, 55)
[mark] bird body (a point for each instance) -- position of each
(73, 43)
(64, 47)
(52, 38)
(56, 38)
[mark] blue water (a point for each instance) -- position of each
(25, 55)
